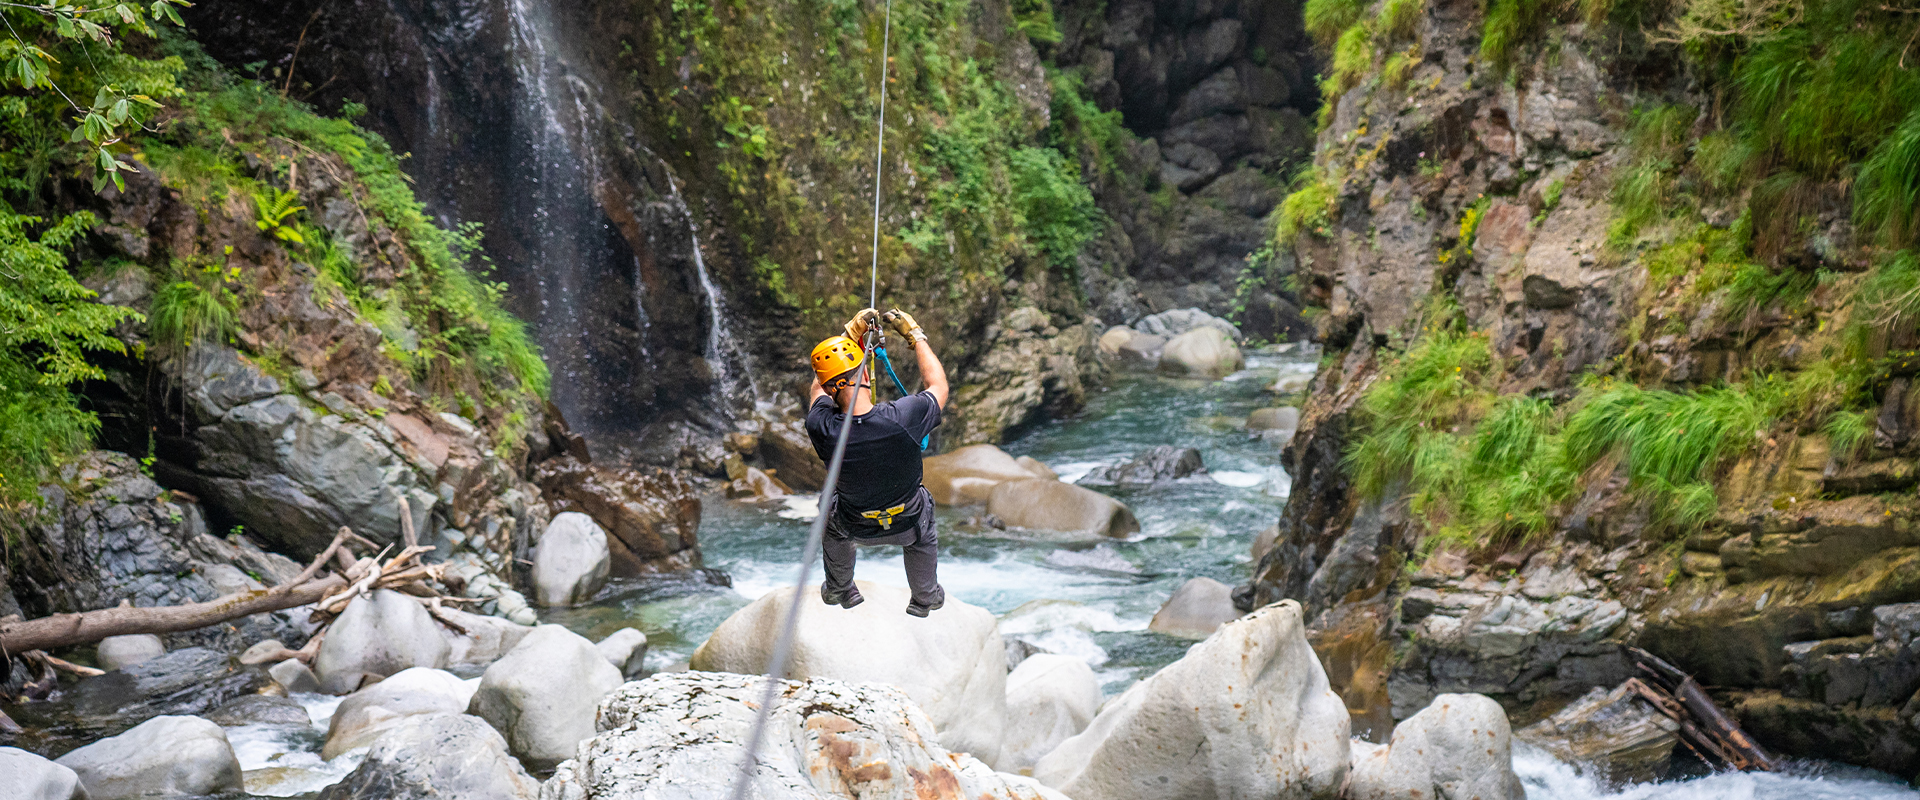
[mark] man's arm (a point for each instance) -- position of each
(815, 392)
(931, 372)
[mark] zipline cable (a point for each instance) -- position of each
(777, 662)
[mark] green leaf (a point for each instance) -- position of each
(146, 101)
(118, 114)
(106, 161)
(102, 97)
(127, 14)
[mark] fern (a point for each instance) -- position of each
(275, 205)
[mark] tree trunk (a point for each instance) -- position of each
(64, 630)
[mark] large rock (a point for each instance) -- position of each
(1040, 504)
(682, 736)
(1050, 698)
(1141, 349)
(1274, 419)
(453, 756)
(365, 714)
(542, 694)
(377, 635)
(26, 776)
(1458, 747)
(626, 650)
(294, 676)
(966, 477)
(953, 663)
(571, 561)
(1246, 713)
(117, 652)
(1196, 609)
(1614, 733)
(162, 757)
(1173, 323)
(1201, 352)
(482, 639)
(188, 681)
(652, 517)
(1157, 465)
(260, 709)
(788, 452)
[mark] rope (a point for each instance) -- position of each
(777, 662)
(881, 353)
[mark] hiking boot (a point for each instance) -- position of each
(921, 611)
(846, 599)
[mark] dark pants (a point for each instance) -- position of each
(917, 537)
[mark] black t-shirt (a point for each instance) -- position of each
(883, 450)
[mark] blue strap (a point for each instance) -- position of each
(881, 353)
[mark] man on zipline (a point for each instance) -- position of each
(879, 499)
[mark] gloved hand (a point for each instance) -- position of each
(856, 328)
(904, 324)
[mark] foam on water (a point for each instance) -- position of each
(283, 760)
(1237, 479)
(1547, 778)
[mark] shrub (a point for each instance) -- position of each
(1400, 19)
(186, 313)
(1308, 208)
(1327, 19)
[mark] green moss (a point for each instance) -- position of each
(1309, 208)
(1326, 20)
(1400, 19)
(1352, 57)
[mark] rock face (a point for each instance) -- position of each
(115, 652)
(953, 663)
(1050, 698)
(370, 712)
(1196, 609)
(681, 736)
(437, 755)
(571, 561)
(541, 696)
(1458, 747)
(378, 634)
(1246, 713)
(1048, 505)
(652, 518)
(967, 476)
(1201, 353)
(164, 756)
(1615, 733)
(25, 776)
(1158, 465)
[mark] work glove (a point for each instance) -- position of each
(857, 327)
(904, 324)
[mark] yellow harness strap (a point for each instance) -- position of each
(885, 516)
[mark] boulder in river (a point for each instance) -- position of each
(953, 663)
(1246, 713)
(370, 712)
(1050, 698)
(1274, 418)
(966, 476)
(162, 757)
(571, 561)
(541, 695)
(1157, 465)
(626, 650)
(27, 776)
(191, 680)
(1196, 609)
(1174, 322)
(294, 676)
(260, 709)
(682, 736)
(1044, 505)
(1141, 349)
(482, 638)
(1460, 746)
(377, 635)
(1201, 352)
(1614, 733)
(1037, 467)
(455, 756)
(652, 517)
(116, 652)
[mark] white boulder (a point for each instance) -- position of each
(378, 634)
(1457, 747)
(571, 562)
(1049, 505)
(438, 756)
(1050, 697)
(1201, 352)
(26, 776)
(626, 650)
(482, 638)
(294, 676)
(682, 736)
(1196, 609)
(541, 695)
(120, 652)
(953, 663)
(165, 756)
(1246, 713)
(365, 714)
(966, 476)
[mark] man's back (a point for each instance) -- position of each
(882, 465)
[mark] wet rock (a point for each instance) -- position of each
(952, 663)
(1612, 732)
(192, 680)
(754, 484)
(1159, 465)
(967, 475)
(626, 650)
(1044, 505)
(1469, 641)
(260, 709)
(1246, 713)
(1050, 698)
(1196, 609)
(1201, 352)
(437, 755)
(1270, 419)
(652, 518)
(1179, 321)
(117, 652)
(1141, 349)
(1019, 650)
(1458, 747)
(25, 776)
(294, 676)
(681, 736)
(571, 561)
(366, 714)
(541, 696)
(162, 757)
(377, 635)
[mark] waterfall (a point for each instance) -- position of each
(723, 350)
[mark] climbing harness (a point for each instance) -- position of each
(777, 662)
(885, 516)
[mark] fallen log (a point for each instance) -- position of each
(1673, 691)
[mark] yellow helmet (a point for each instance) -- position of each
(834, 360)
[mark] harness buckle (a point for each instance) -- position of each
(885, 516)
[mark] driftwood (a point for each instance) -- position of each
(1705, 729)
